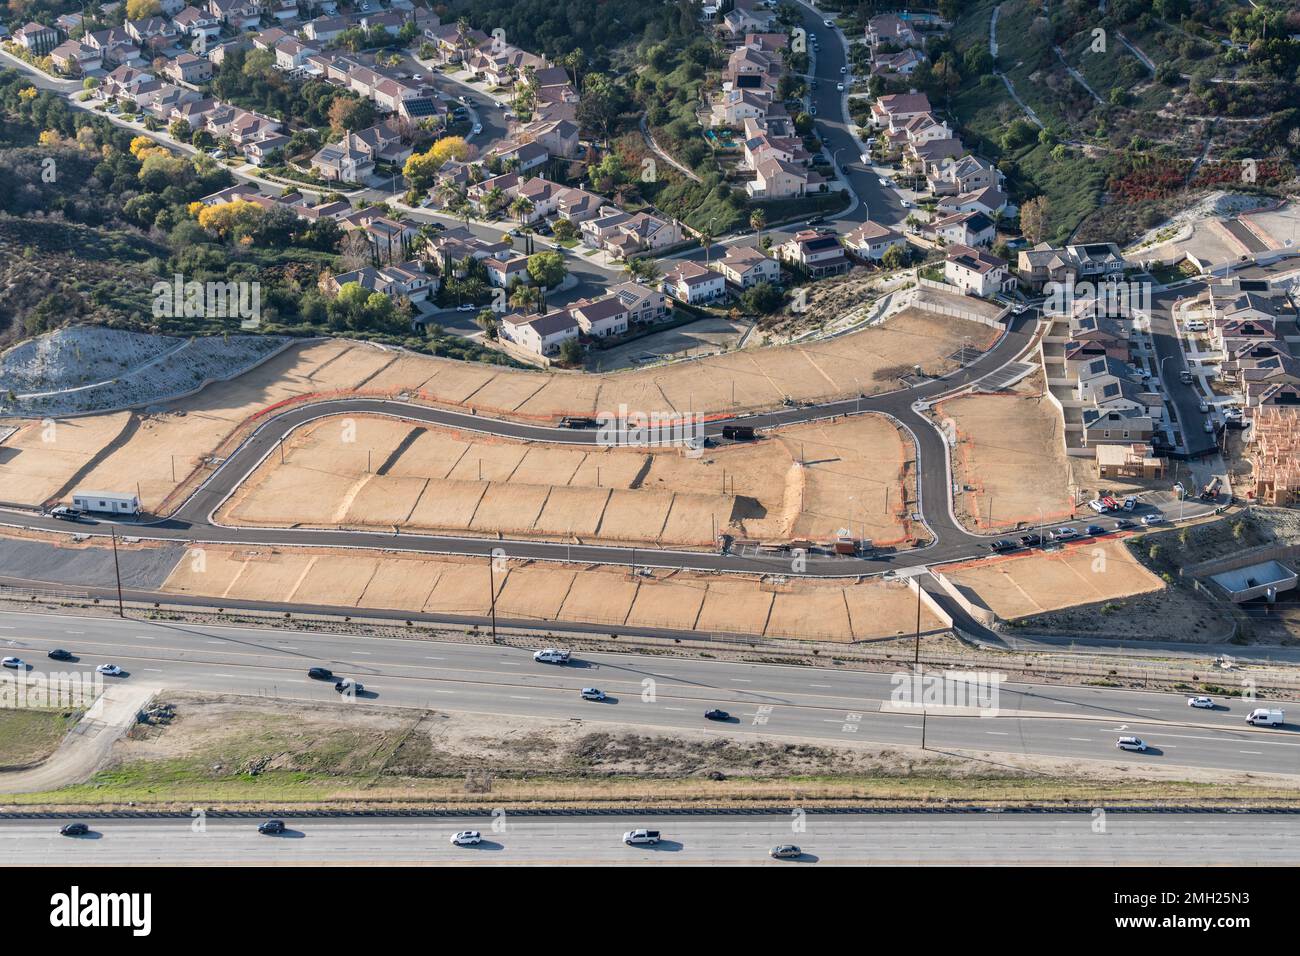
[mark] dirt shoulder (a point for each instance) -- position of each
(230, 752)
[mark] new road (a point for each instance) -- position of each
(819, 704)
(882, 839)
(194, 521)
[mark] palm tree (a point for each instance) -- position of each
(521, 207)
(706, 240)
(493, 200)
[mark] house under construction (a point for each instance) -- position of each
(1275, 454)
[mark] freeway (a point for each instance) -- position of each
(880, 839)
(821, 705)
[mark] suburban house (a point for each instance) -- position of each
(325, 29)
(897, 108)
(626, 235)
(966, 228)
(75, 58)
(976, 272)
(871, 241)
(502, 273)
(36, 38)
(693, 283)
(558, 137)
(989, 200)
(891, 29)
(1044, 263)
(153, 32)
(775, 178)
(963, 174)
(745, 266)
(238, 14)
(188, 68)
(643, 303)
(602, 317)
(542, 334)
(903, 63)
(406, 280)
(816, 253)
(200, 25)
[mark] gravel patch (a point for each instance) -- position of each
(90, 368)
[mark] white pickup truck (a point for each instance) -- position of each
(641, 837)
(551, 655)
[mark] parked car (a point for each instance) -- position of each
(109, 670)
(320, 673)
(1065, 534)
(716, 714)
(1204, 703)
(1123, 524)
(74, 829)
(1130, 502)
(1031, 540)
(271, 828)
(593, 693)
(1002, 544)
(466, 838)
(828, 22)
(1131, 743)
(839, 87)
(478, 128)
(466, 307)
(1093, 530)
(786, 851)
(1151, 519)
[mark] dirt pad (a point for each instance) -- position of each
(729, 604)
(813, 481)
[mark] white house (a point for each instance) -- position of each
(693, 283)
(976, 271)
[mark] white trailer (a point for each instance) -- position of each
(110, 502)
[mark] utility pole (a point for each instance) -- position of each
(916, 660)
(492, 587)
(117, 573)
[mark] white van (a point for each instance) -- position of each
(1266, 718)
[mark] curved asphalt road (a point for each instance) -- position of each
(193, 521)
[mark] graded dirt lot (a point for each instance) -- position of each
(1010, 460)
(811, 481)
(41, 458)
(1024, 585)
(722, 604)
(184, 434)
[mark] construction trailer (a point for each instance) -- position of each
(110, 502)
(1275, 454)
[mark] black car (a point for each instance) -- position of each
(716, 714)
(1001, 545)
(1031, 540)
(74, 829)
(320, 673)
(1094, 530)
(271, 827)
(569, 422)
(59, 654)
(1123, 524)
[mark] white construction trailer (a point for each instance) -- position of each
(111, 502)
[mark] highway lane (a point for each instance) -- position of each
(881, 839)
(818, 704)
